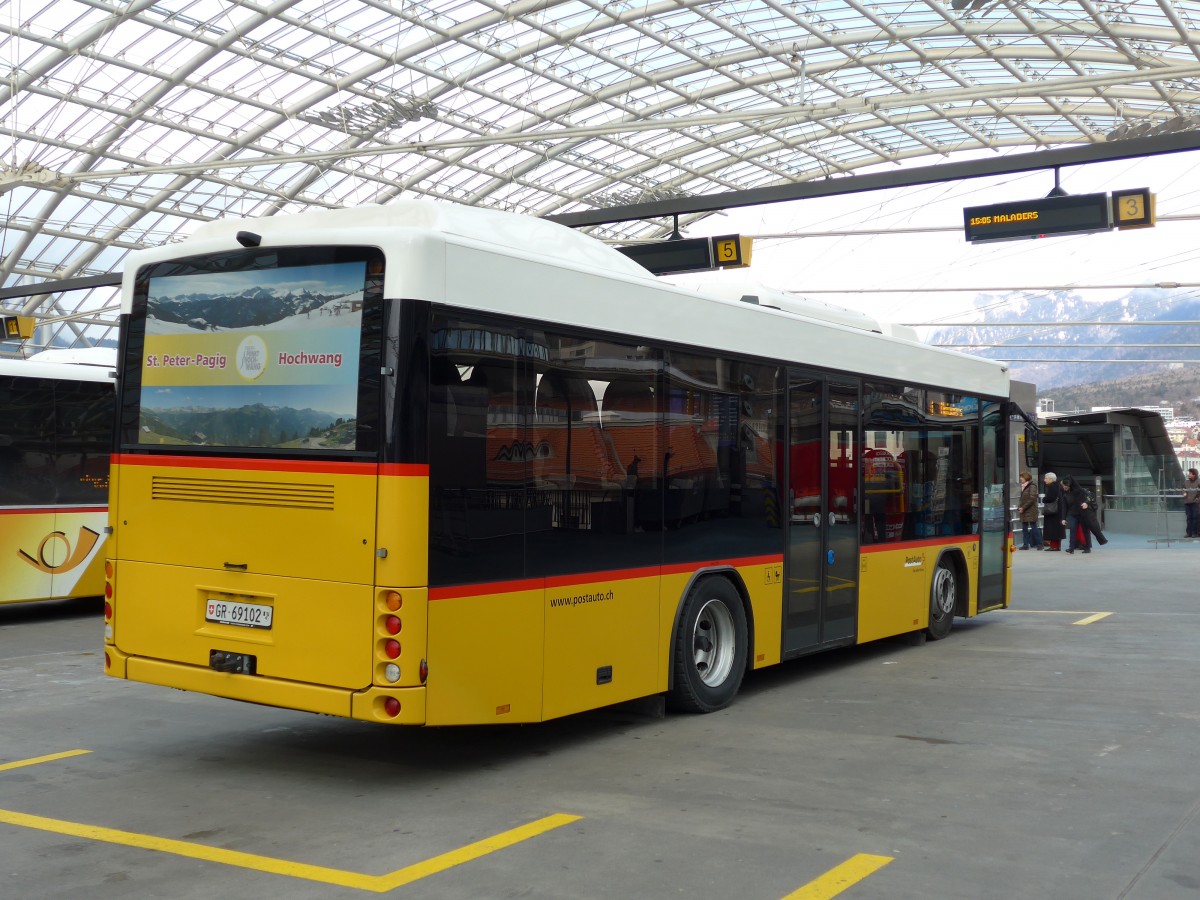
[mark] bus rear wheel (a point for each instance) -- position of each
(943, 596)
(709, 656)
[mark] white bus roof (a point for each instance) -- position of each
(35, 367)
(83, 356)
(508, 264)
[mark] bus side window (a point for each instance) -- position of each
(457, 413)
(83, 431)
(632, 427)
(476, 467)
(27, 441)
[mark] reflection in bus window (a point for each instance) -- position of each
(916, 464)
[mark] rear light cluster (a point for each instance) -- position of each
(391, 665)
(388, 646)
(108, 608)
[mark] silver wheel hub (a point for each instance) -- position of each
(943, 593)
(713, 643)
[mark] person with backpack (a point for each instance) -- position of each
(1081, 518)
(1031, 535)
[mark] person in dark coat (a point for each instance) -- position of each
(1031, 535)
(1053, 531)
(1080, 516)
(1191, 502)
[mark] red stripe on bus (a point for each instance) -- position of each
(558, 581)
(681, 568)
(480, 590)
(916, 545)
(561, 581)
(407, 470)
(254, 465)
(42, 510)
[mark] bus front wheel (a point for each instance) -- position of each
(709, 656)
(943, 595)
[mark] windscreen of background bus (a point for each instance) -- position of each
(254, 357)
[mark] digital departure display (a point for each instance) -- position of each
(1074, 214)
(670, 257)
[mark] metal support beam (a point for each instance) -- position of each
(61, 287)
(851, 184)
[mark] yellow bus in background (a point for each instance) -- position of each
(56, 431)
(428, 464)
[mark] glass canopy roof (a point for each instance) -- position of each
(126, 122)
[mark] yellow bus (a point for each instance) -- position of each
(56, 432)
(429, 464)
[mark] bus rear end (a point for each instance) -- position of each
(246, 559)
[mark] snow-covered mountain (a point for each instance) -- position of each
(1055, 339)
(253, 307)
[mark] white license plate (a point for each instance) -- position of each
(230, 612)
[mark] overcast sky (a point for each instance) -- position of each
(821, 266)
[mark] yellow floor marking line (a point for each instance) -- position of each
(4, 767)
(1094, 617)
(376, 883)
(1056, 612)
(837, 879)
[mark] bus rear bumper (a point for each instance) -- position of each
(369, 705)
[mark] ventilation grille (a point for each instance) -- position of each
(243, 493)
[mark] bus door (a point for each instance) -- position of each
(821, 570)
(995, 525)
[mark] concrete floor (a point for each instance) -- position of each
(1048, 751)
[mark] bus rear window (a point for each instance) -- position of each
(254, 357)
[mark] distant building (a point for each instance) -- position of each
(1167, 412)
(1125, 455)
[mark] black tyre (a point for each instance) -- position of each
(943, 596)
(709, 656)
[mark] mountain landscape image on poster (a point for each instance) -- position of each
(254, 307)
(254, 425)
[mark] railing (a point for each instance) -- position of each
(1156, 514)
(1152, 501)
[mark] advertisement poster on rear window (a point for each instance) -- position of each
(265, 358)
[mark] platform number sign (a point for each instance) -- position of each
(731, 251)
(1133, 208)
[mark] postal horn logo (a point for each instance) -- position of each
(55, 545)
(251, 357)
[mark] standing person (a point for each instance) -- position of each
(1052, 523)
(1081, 516)
(1191, 502)
(1031, 535)
(1071, 503)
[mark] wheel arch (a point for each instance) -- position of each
(730, 574)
